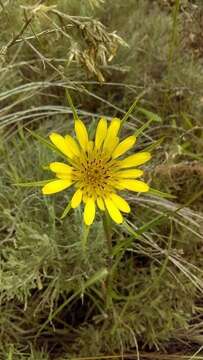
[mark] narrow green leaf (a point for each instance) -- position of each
(136, 234)
(120, 247)
(34, 183)
(142, 128)
(160, 194)
(132, 107)
(150, 115)
(131, 231)
(41, 139)
(155, 144)
(66, 211)
(157, 220)
(70, 102)
(98, 276)
(46, 143)
(85, 234)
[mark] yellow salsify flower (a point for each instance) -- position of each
(96, 169)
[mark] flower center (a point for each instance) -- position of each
(95, 174)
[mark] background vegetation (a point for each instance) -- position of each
(55, 302)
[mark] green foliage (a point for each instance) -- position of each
(60, 299)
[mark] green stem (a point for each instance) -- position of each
(108, 235)
(84, 239)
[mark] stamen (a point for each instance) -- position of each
(95, 173)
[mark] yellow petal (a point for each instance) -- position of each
(132, 173)
(135, 160)
(81, 133)
(100, 133)
(113, 211)
(120, 203)
(76, 199)
(114, 127)
(72, 144)
(112, 133)
(61, 144)
(85, 198)
(89, 212)
(134, 185)
(113, 144)
(118, 186)
(59, 167)
(100, 203)
(56, 186)
(64, 176)
(124, 146)
(90, 146)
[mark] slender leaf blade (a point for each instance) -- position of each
(34, 183)
(66, 211)
(70, 102)
(160, 194)
(46, 143)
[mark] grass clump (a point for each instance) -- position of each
(55, 302)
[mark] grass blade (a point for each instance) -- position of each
(70, 102)
(66, 211)
(46, 143)
(161, 194)
(34, 183)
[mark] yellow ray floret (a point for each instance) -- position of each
(76, 199)
(55, 186)
(135, 160)
(124, 146)
(59, 167)
(81, 134)
(111, 135)
(134, 185)
(64, 176)
(97, 170)
(100, 133)
(129, 174)
(100, 204)
(89, 212)
(72, 144)
(61, 144)
(120, 203)
(113, 211)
